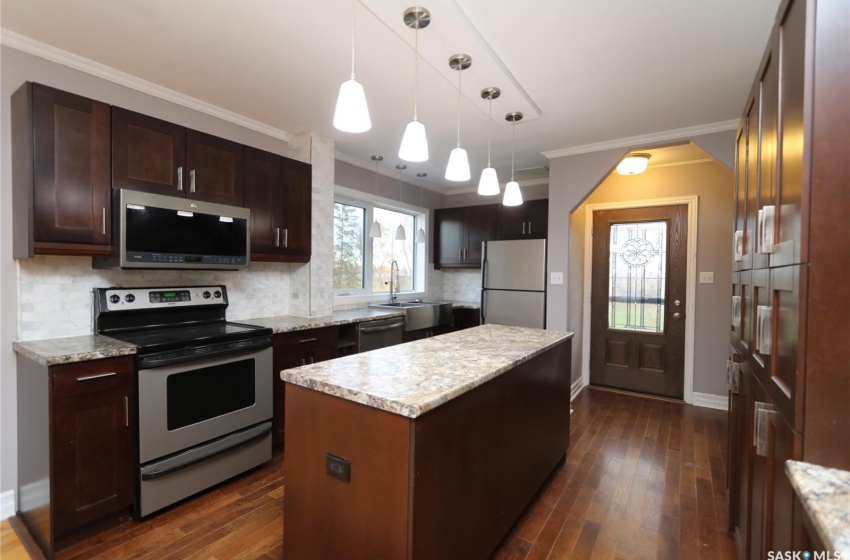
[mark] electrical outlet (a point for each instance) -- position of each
(338, 467)
(706, 278)
(557, 278)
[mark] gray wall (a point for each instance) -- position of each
(529, 192)
(371, 183)
(17, 68)
(713, 184)
(571, 180)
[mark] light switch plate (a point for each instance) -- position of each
(706, 278)
(557, 278)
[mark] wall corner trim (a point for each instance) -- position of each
(707, 400)
(7, 504)
(575, 388)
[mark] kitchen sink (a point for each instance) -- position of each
(420, 314)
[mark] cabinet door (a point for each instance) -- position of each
(739, 512)
(511, 223)
(760, 314)
(282, 362)
(296, 220)
(92, 456)
(71, 162)
(449, 233)
(758, 475)
(789, 212)
(538, 219)
(768, 137)
(740, 196)
(479, 228)
(787, 372)
(752, 184)
(263, 185)
(782, 444)
(148, 154)
(214, 169)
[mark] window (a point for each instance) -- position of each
(362, 264)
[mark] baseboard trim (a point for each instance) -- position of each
(576, 388)
(7, 504)
(707, 400)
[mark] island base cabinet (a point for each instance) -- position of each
(447, 484)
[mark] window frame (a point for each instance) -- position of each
(420, 215)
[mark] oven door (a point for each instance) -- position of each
(187, 404)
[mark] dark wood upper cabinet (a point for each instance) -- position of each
(448, 236)
(530, 220)
(157, 156)
(278, 191)
(60, 173)
(459, 232)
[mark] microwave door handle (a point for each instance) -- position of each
(179, 178)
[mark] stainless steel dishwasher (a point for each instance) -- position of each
(379, 334)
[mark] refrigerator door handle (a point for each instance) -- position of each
(483, 278)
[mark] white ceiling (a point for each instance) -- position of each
(583, 72)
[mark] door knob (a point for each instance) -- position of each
(677, 315)
(677, 303)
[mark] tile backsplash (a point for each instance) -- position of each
(55, 293)
(462, 285)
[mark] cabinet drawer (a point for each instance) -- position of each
(306, 341)
(81, 378)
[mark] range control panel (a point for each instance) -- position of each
(126, 299)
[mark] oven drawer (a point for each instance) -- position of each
(71, 380)
(306, 341)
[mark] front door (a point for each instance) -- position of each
(638, 291)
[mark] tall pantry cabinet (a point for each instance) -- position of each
(789, 375)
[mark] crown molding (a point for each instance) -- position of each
(474, 188)
(652, 138)
(65, 58)
(389, 172)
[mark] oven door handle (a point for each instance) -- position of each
(179, 357)
(153, 475)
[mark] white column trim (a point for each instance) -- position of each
(576, 387)
(7, 504)
(707, 400)
(690, 282)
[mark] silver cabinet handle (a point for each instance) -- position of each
(179, 178)
(312, 359)
(460, 254)
(286, 237)
(763, 411)
(126, 412)
(103, 221)
(529, 227)
(523, 228)
(303, 361)
(306, 340)
(277, 237)
(98, 376)
(192, 181)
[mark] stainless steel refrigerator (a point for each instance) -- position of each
(513, 283)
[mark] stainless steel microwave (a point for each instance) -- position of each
(156, 231)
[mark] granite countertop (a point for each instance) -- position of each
(66, 350)
(290, 323)
(825, 495)
(411, 379)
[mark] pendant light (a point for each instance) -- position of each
(400, 234)
(375, 230)
(414, 144)
(420, 235)
(458, 167)
(513, 196)
(352, 112)
(633, 164)
(488, 184)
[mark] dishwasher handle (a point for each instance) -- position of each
(381, 329)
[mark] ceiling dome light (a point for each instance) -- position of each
(633, 164)
(513, 196)
(352, 112)
(458, 167)
(414, 143)
(488, 184)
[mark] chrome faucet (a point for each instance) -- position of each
(394, 285)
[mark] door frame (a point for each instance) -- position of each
(690, 282)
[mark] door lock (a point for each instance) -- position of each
(677, 315)
(677, 303)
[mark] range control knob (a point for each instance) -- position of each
(217, 294)
(129, 298)
(114, 298)
(206, 295)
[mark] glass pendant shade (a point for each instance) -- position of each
(375, 231)
(488, 185)
(414, 145)
(458, 167)
(420, 236)
(352, 112)
(400, 235)
(513, 196)
(633, 164)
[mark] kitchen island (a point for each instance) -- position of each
(430, 449)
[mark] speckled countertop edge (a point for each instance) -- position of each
(825, 494)
(292, 323)
(411, 379)
(70, 349)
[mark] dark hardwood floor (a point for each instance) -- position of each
(644, 478)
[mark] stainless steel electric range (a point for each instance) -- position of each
(204, 387)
